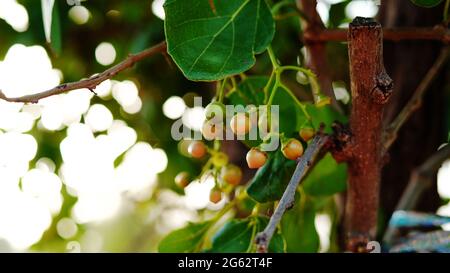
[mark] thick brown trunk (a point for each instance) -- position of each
(371, 87)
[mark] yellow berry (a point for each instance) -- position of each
(219, 159)
(231, 174)
(306, 133)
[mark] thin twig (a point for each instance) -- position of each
(420, 180)
(304, 164)
(93, 81)
(437, 33)
(416, 100)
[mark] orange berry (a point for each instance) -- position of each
(197, 149)
(215, 196)
(240, 124)
(231, 174)
(182, 179)
(293, 149)
(256, 158)
(306, 133)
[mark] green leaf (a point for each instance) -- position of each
(56, 35)
(209, 43)
(234, 236)
(326, 178)
(237, 236)
(187, 239)
(426, 3)
(298, 228)
(271, 180)
(326, 115)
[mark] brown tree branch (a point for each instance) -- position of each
(438, 33)
(316, 57)
(93, 81)
(420, 180)
(414, 103)
(371, 87)
(305, 162)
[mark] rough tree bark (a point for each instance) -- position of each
(371, 88)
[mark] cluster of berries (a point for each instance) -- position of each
(240, 124)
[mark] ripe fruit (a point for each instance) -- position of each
(197, 149)
(182, 179)
(215, 109)
(293, 149)
(215, 196)
(219, 159)
(231, 174)
(240, 124)
(256, 158)
(306, 133)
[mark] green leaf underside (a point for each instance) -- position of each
(208, 45)
(187, 239)
(238, 236)
(426, 3)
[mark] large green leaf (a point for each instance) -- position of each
(211, 42)
(187, 239)
(238, 236)
(326, 178)
(271, 180)
(298, 228)
(426, 3)
(234, 236)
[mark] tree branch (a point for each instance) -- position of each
(304, 164)
(371, 88)
(93, 81)
(438, 33)
(414, 103)
(421, 179)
